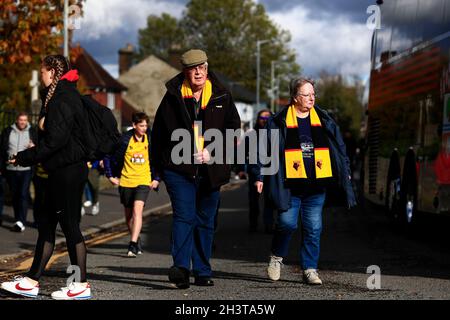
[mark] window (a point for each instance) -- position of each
(447, 15)
(405, 33)
(111, 100)
(383, 42)
(431, 16)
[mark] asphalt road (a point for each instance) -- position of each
(412, 267)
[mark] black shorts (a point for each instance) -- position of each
(129, 195)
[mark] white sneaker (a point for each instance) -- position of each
(95, 209)
(83, 212)
(75, 291)
(87, 203)
(274, 268)
(21, 286)
(310, 276)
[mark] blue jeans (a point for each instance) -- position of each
(310, 209)
(19, 183)
(194, 207)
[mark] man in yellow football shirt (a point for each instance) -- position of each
(130, 169)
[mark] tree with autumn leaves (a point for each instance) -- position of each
(228, 31)
(29, 30)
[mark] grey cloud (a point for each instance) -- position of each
(354, 10)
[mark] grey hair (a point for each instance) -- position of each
(296, 84)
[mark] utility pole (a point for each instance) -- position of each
(273, 79)
(66, 29)
(272, 85)
(278, 89)
(258, 62)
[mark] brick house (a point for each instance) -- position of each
(96, 81)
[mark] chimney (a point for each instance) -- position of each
(175, 53)
(125, 58)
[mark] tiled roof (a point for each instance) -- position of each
(96, 77)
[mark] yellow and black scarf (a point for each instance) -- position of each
(295, 168)
(186, 93)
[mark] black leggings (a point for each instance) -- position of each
(63, 205)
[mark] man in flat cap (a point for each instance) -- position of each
(193, 97)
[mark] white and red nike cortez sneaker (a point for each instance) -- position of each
(75, 291)
(22, 286)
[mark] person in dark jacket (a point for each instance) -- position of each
(312, 160)
(15, 138)
(60, 151)
(194, 188)
(257, 204)
(130, 168)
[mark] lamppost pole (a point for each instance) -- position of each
(272, 85)
(66, 28)
(275, 82)
(258, 62)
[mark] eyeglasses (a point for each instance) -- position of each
(313, 95)
(201, 68)
(263, 118)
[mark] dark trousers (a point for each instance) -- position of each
(40, 190)
(194, 210)
(62, 205)
(19, 184)
(2, 196)
(257, 208)
(94, 184)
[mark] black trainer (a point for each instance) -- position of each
(179, 277)
(204, 282)
(132, 249)
(139, 246)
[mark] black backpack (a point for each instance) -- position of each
(102, 136)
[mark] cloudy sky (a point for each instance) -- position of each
(327, 35)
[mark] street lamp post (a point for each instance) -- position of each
(278, 89)
(272, 85)
(66, 28)
(274, 64)
(258, 61)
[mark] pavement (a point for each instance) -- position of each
(15, 245)
(412, 266)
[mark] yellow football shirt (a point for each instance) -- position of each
(136, 169)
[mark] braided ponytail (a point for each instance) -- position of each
(61, 66)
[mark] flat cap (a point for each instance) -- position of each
(193, 57)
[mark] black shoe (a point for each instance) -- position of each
(139, 246)
(204, 282)
(180, 277)
(132, 250)
(1, 222)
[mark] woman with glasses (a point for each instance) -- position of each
(312, 160)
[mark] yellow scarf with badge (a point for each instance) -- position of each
(186, 92)
(295, 168)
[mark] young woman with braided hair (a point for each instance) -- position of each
(60, 152)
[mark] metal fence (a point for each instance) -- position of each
(8, 117)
